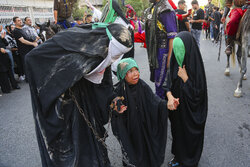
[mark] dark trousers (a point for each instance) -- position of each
(7, 78)
(216, 33)
(207, 30)
(19, 70)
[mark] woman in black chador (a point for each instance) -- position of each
(142, 128)
(71, 90)
(187, 93)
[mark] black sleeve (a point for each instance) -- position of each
(55, 4)
(17, 35)
(217, 19)
(5, 42)
(201, 15)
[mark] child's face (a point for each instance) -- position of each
(132, 76)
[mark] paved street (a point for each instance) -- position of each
(227, 135)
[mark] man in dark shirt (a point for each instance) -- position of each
(24, 43)
(198, 19)
(63, 13)
(216, 21)
(209, 15)
(183, 25)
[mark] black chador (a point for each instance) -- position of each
(188, 121)
(142, 129)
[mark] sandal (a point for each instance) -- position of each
(174, 163)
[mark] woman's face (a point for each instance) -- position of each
(132, 76)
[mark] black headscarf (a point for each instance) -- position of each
(188, 122)
(142, 129)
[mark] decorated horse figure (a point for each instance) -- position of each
(243, 51)
(47, 30)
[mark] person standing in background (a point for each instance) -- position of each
(24, 43)
(12, 46)
(217, 17)
(183, 24)
(30, 31)
(63, 13)
(160, 30)
(197, 21)
(209, 13)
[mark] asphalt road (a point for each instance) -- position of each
(227, 134)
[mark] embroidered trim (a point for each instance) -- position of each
(172, 34)
(163, 67)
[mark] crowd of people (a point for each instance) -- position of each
(212, 25)
(72, 90)
(17, 39)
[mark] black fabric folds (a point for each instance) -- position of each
(188, 122)
(142, 129)
(56, 67)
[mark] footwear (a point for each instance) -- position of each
(174, 163)
(17, 87)
(228, 50)
(21, 78)
(6, 92)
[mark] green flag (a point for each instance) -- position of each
(179, 50)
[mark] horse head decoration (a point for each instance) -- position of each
(47, 30)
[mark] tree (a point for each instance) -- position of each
(219, 3)
(138, 5)
(79, 12)
(222, 3)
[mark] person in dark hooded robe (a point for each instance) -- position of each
(142, 128)
(71, 89)
(187, 94)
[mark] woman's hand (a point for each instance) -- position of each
(117, 105)
(173, 102)
(182, 73)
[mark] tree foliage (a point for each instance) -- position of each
(219, 3)
(138, 5)
(79, 12)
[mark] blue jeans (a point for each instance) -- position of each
(11, 59)
(196, 34)
(211, 30)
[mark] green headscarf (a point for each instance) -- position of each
(111, 15)
(179, 50)
(124, 66)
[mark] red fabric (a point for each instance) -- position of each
(172, 4)
(132, 23)
(179, 17)
(233, 24)
(206, 25)
(140, 38)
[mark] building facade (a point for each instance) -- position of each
(37, 10)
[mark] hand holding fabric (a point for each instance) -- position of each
(182, 73)
(117, 105)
